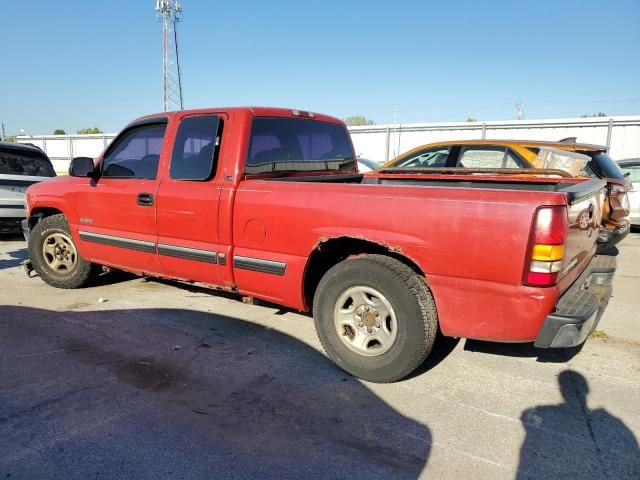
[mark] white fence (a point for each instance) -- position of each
(381, 142)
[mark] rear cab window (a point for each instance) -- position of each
(25, 163)
(289, 145)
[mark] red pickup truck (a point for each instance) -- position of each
(268, 203)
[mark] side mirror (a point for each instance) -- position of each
(82, 167)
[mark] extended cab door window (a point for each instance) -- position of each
(136, 154)
(194, 150)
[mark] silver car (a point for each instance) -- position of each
(20, 166)
(631, 167)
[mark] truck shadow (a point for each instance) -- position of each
(158, 392)
(543, 355)
(442, 348)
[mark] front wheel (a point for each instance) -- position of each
(375, 317)
(55, 257)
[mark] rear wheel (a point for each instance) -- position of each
(55, 257)
(375, 317)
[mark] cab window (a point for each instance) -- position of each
(194, 151)
(298, 145)
(135, 154)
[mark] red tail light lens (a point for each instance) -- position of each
(546, 247)
(550, 226)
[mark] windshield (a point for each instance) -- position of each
(298, 145)
(25, 162)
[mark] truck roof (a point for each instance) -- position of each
(563, 145)
(255, 111)
(21, 146)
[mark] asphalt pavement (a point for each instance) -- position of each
(141, 378)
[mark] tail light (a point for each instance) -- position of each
(619, 201)
(546, 246)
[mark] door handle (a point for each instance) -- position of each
(145, 199)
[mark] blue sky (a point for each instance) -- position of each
(73, 64)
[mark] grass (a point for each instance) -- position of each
(599, 334)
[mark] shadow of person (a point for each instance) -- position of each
(571, 441)
(153, 393)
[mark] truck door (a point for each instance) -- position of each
(117, 212)
(188, 199)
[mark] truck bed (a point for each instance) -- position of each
(574, 188)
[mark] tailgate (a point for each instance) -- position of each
(12, 190)
(585, 202)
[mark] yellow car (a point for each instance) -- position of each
(523, 154)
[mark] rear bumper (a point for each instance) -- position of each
(579, 309)
(10, 224)
(609, 237)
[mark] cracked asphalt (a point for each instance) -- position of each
(163, 379)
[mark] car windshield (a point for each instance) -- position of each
(298, 145)
(25, 162)
(633, 171)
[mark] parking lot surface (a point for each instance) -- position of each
(141, 378)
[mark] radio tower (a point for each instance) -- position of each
(170, 13)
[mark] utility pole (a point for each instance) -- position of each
(2, 133)
(170, 13)
(519, 111)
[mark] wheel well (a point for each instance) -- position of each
(39, 213)
(333, 251)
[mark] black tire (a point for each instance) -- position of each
(412, 302)
(81, 275)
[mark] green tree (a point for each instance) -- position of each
(599, 114)
(358, 120)
(86, 131)
(471, 119)
(59, 131)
